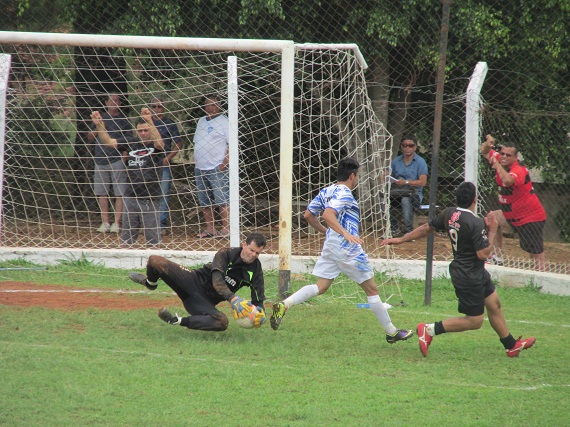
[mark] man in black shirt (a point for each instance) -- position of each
(202, 289)
(143, 193)
(473, 285)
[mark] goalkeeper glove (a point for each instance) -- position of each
(242, 308)
(259, 318)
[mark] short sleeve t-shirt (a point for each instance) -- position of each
(467, 234)
(211, 142)
(339, 198)
(144, 169)
(519, 202)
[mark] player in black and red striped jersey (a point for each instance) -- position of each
(472, 282)
(520, 207)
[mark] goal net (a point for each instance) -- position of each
(48, 198)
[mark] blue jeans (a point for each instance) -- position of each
(166, 186)
(213, 187)
(407, 206)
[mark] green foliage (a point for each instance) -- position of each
(36, 117)
(80, 262)
(33, 15)
(20, 262)
(150, 18)
(562, 222)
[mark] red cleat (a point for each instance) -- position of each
(520, 346)
(424, 338)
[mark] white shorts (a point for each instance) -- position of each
(335, 260)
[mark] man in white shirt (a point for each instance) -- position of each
(211, 168)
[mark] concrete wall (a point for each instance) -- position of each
(558, 284)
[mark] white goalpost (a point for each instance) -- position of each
(5, 61)
(294, 111)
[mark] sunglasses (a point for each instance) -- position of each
(506, 154)
(156, 106)
(408, 145)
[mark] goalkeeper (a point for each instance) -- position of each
(202, 289)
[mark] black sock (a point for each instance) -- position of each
(185, 321)
(438, 328)
(508, 342)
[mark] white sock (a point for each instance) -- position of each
(302, 295)
(381, 314)
(151, 283)
(430, 329)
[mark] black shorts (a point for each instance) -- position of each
(472, 298)
(531, 238)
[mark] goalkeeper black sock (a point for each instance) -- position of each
(185, 321)
(508, 342)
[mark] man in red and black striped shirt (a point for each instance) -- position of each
(520, 207)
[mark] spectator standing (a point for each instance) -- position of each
(520, 207)
(172, 145)
(409, 172)
(110, 163)
(211, 169)
(144, 168)
(473, 285)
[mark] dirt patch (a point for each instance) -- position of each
(66, 298)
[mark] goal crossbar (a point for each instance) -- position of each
(144, 42)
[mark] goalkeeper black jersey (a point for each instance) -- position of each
(237, 274)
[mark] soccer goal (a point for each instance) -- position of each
(294, 110)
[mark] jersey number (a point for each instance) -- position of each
(453, 236)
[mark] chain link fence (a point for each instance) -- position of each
(525, 96)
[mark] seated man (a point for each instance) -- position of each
(409, 172)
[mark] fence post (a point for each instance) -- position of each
(473, 122)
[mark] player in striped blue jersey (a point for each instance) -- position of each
(342, 250)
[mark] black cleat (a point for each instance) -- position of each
(141, 279)
(168, 317)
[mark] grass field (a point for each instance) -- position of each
(328, 365)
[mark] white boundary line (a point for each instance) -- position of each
(83, 291)
(120, 291)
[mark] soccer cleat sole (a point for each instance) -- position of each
(167, 317)
(392, 339)
(277, 315)
(424, 339)
(141, 280)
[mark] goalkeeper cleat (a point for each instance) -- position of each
(424, 338)
(399, 335)
(141, 279)
(277, 316)
(168, 317)
(520, 346)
